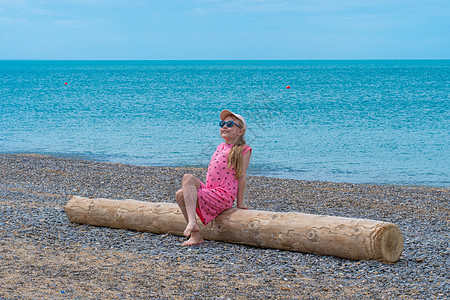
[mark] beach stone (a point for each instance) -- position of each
(135, 265)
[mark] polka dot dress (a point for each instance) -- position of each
(220, 190)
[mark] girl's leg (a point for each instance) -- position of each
(180, 200)
(190, 185)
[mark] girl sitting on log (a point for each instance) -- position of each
(225, 180)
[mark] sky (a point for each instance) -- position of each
(235, 29)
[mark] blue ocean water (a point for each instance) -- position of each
(358, 121)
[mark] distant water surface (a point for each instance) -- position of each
(380, 121)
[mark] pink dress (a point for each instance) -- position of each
(221, 188)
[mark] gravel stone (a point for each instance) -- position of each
(44, 256)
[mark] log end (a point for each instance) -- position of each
(390, 243)
(75, 203)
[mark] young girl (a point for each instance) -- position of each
(225, 180)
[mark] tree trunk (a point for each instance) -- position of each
(323, 235)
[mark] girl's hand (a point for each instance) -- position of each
(242, 207)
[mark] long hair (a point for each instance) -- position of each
(235, 158)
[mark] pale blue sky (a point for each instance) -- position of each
(251, 29)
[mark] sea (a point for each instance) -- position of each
(355, 121)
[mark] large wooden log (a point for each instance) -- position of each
(355, 239)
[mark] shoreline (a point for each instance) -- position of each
(43, 255)
(250, 173)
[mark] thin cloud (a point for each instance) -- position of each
(10, 21)
(70, 23)
(238, 6)
(44, 12)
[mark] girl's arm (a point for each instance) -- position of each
(243, 181)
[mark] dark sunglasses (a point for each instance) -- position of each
(229, 124)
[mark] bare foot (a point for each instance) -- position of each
(195, 239)
(191, 228)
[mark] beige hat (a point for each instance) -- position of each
(225, 113)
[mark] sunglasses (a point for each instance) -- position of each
(229, 124)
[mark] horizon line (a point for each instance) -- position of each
(235, 59)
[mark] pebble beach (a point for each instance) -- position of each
(44, 256)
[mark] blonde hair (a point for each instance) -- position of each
(235, 158)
